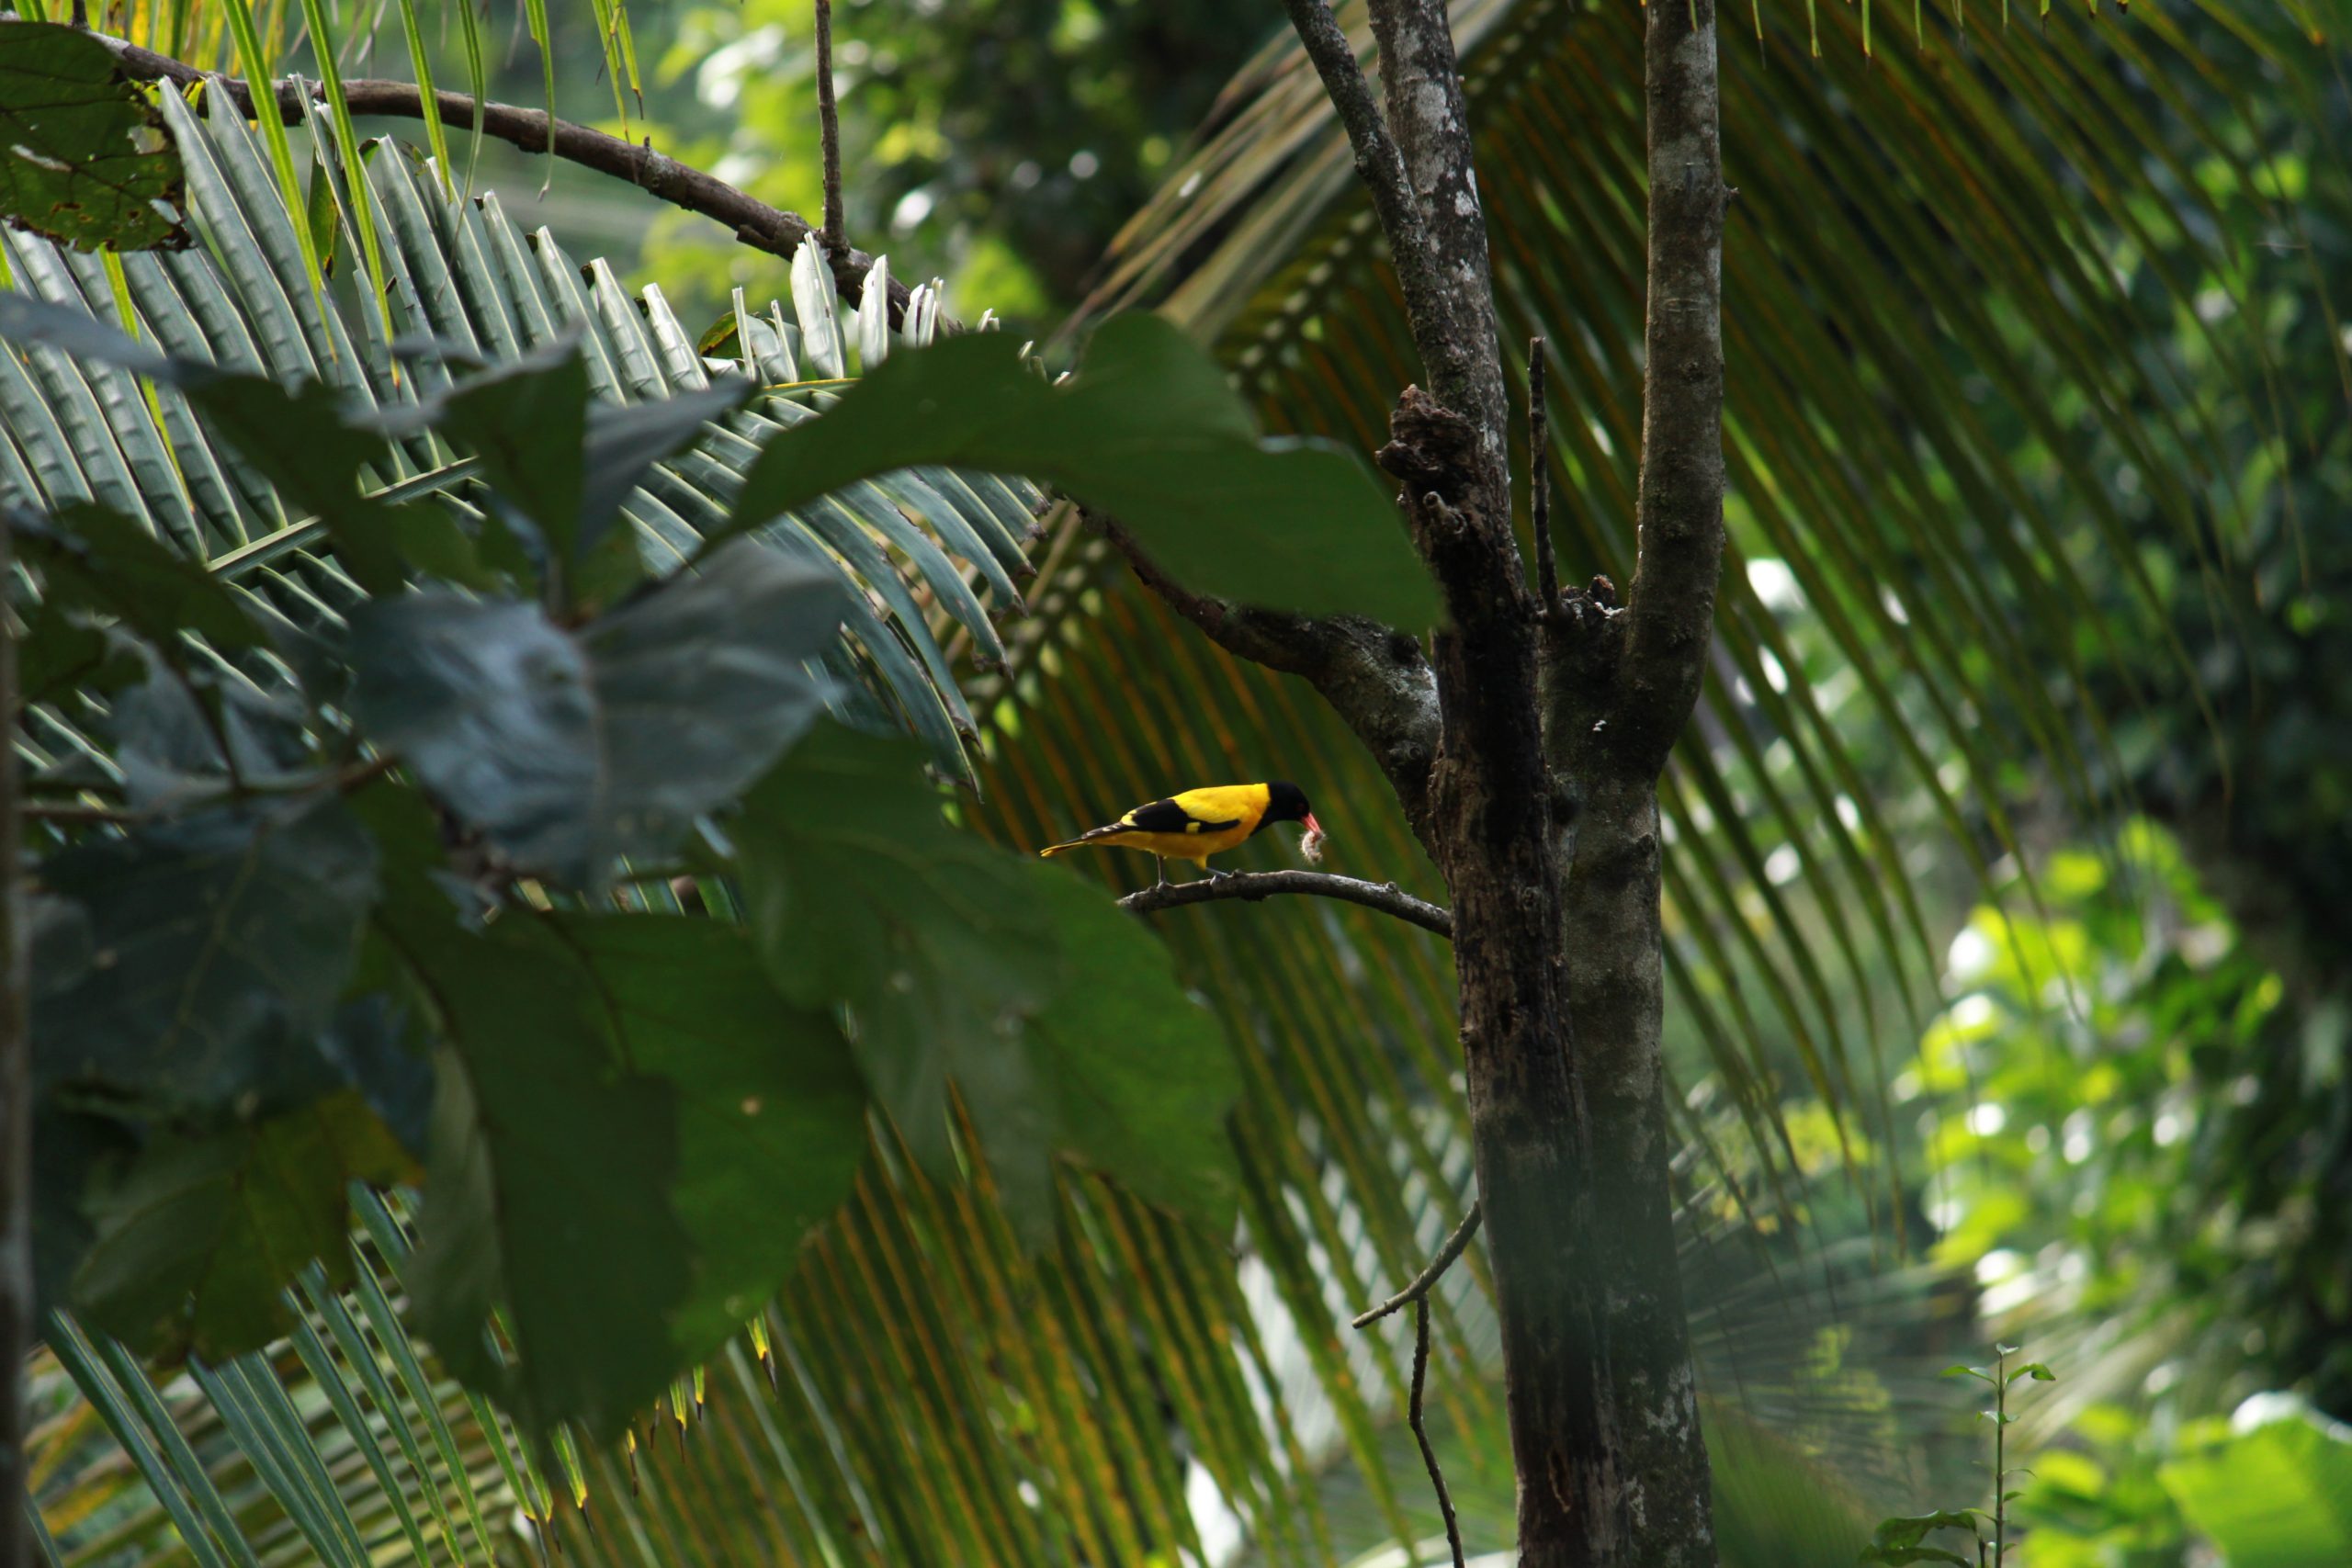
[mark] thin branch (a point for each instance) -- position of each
(829, 124)
(74, 815)
(752, 221)
(1421, 1431)
(1539, 482)
(1426, 1280)
(1255, 885)
(1378, 162)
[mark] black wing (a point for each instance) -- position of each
(1163, 817)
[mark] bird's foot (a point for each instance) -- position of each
(1215, 875)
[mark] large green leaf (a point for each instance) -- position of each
(1147, 430)
(572, 749)
(217, 945)
(84, 156)
(473, 288)
(2278, 1496)
(1053, 1019)
(551, 1163)
(198, 1241)
(771, 1111)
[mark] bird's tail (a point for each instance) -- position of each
(1050, 850)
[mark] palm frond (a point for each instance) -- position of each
(926, 552)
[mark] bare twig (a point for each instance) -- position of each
(1426, 1280)
(1254, 886)
(1421, 1431)
(754, 222)
(829, 130)
(1539, 482)
(73, 815)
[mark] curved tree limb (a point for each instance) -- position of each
(1255, 885)
(752, 221)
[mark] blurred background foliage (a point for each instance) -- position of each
(2019, 886)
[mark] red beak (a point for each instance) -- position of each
(1312, 824)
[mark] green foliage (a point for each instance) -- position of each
(1001, 142)
(194, 1245)
(1903, 1540)
(84, 156)
(1291, 525)
(404, 852)
(983, 983)
(2275, 1494)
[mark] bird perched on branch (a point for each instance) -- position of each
(1201, 822)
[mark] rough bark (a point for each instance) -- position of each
(1621, 686)
(1539, 804)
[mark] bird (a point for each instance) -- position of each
(1199, 823)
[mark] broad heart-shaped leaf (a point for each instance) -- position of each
(1148, 431)
(216, 948)
(199, 1237)
(547, 1192)
(2277, 1496)
(570, 750)
(1056, 1019)
(85, 157)
(771, 1111)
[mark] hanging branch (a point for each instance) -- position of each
(1421, 1431)
(829, 130)
(754, 222)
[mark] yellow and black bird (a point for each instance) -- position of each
(1200, 823)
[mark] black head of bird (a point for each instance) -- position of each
(1286, 802)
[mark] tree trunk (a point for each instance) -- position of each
(1532, 779)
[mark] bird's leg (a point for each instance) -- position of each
(1215, 875)
(1160, 867)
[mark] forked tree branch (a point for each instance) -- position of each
(1426, 1280)
(1255, 885)
(754, 222)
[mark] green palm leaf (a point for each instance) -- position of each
(467, 278)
